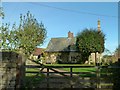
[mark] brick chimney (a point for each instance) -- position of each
(70, 35)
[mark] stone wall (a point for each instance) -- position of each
(71, 57)
(64, 57)
(92, 58)
(10, 70)
(75, 57)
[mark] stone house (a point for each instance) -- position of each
(63, 50)
(37, 52)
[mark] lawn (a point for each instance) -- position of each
(82, 69)
(33, 79)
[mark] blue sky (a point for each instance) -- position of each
(61, 17)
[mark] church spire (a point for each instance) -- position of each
(99, 28)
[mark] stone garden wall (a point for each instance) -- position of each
(10, 70)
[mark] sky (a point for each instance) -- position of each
(60, 0)
(61, 17)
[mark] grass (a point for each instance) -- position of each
(88, 70)
(33, 79)
(32, 69)
(81, 69)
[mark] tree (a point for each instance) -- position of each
(117, 52)
(1, 12)
(107, 51)
(90, 41)
(3, 36)
(26, 37)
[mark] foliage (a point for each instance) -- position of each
(90, 41)
(107, 51)
(4, 34)
(117, 49)
(117, 52)
(2, 13)
(110, 57)
(26, 37)
(107, 59)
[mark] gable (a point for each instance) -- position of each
(61, 44)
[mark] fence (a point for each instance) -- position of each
(11, 70)
(99, 79)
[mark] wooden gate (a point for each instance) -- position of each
(94, 79)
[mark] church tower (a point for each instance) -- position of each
(99, 28)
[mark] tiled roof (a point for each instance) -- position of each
(37, 51)
(61, 44)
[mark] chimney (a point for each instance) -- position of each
(99, 26)
(70, 35)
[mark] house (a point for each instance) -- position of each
(37, 53)
(64, 50)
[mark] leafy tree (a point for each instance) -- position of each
(1, 12)
(26, 37)
(4, 35)
(90, 41)
(107, 51)
(117, 52)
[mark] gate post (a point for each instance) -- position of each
(98, 77)
(48, 77)
(71, 72)
(71, 77)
